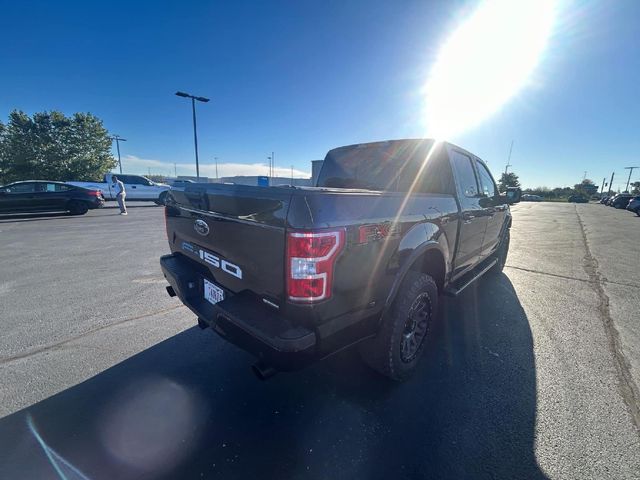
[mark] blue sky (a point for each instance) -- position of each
(301, 77)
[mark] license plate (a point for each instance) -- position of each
(212, 293)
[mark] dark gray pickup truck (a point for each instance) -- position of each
(293, 274)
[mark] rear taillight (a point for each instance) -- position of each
(94, 193)
(310, 262)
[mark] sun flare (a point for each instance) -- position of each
(485, 62)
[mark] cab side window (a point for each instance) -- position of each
(487, 185)
(465, 175)
(437, 176)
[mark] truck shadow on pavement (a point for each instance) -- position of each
(190, 408)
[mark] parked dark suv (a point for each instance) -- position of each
(46, 196)
(621, 200)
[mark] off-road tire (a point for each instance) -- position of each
(384, 351)
(501, 254)
(162, 199)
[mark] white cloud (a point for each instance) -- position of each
(144, 166)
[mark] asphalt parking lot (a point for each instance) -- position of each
(531, 375)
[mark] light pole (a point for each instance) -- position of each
(629, 179)
(272, 165)
(195, 130)
(118, 139)
(216, 160)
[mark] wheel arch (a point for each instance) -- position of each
(428, 258)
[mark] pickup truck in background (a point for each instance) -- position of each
(137, 187)
(294, 274)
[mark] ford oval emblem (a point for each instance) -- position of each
(201, 227)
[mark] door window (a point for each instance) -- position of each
(464, 173)
(57, 187)
(21, 188)
(487, 185)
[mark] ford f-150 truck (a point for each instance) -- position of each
(294, 274)
(136, 186)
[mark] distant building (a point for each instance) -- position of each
(253, 180)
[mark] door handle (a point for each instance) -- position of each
(133, 186)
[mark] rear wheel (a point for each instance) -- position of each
(77, 208)
(162, 199)
(396, 350)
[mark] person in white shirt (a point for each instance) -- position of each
(121, 194)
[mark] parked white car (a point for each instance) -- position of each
(136, 186)
(527, 197)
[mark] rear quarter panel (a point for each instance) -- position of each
(366, 272)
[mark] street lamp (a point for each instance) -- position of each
(272, 165)
(195, 132)
(118, 139)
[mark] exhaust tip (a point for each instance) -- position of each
(263, 371)
(171, 291)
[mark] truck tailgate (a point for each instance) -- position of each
(236, 231)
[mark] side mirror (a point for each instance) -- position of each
(513, 195)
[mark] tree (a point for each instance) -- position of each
(635, 188)
(586, 188)
(52, 146)
(508, 180)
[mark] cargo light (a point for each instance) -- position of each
(310, 263)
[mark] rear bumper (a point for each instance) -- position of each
(242, 319)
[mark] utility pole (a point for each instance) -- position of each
(175, 170)
(216, 160)
(611, 181)
(509, 159)
(602, 188)
(118, 139)
(292, 175)
(629, 179)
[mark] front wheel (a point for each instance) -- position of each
(501, 253)
(398, 346)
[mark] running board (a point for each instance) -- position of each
(453, 291)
